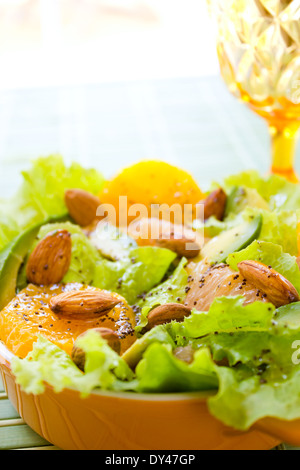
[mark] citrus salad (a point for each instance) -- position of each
(146, 283)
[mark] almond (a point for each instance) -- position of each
(166, 314)
(181, 246)
(84, 303)
(82, 206)
(277, 288)
(215, 204)
(179, 238)
(112, 338)
(51, 258)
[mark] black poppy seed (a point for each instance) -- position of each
(266, 351)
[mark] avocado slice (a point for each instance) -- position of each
(134, 354)
(237, 238)
(11, 258)
(241, 197)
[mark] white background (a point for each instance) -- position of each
(61, 42)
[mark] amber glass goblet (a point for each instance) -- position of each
(258, 44)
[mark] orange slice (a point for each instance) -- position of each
(28, 315)
(147, 183)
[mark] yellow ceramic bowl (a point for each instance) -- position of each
(128, 421)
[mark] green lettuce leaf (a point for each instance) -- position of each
(41, 195)
(289, 315)
(264, 381)
(49, 364)
(137, 271)
(136, 274)
(161, 372)
(226, 314)
(276, 190)
(278, 227)
(46, 363)
(242, 400)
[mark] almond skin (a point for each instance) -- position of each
(215, 204)
(278, 289)
(112, 338)
(183, 247)
(166, 314)
(82, 206)
(50, 260)
(84, 303)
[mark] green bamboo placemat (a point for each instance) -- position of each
(14, 433)
(194, 123)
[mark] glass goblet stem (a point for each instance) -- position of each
(284, 142)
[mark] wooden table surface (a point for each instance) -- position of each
(193, 123)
